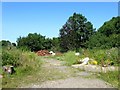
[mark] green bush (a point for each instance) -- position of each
(24, 48)
(112, 55)
(105, 56)
(70, 58)
(27, 64)
(11, 57)
(21, 60)
(100, 56)
(111, 77)
(108, 55)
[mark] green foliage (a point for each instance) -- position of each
(24, 48)
(34, 42)
(14, 44)
(10, 57)
(106, 56)
(19, 58)
(98, 40)
(111, 27)
(111, 77)
(114, 40)
(113, 55)
(107, 36)
(55, 44)
(75, 32)
(100, 55)
(25, 63)
(47, 44)
(70, 58)
(5, 43)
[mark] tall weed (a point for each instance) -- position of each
(111, 77)
(21, 60)
(70, 58)
(105, 56)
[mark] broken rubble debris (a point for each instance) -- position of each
(43, 52)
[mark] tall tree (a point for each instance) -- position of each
(111, 27)
(55, 44)
(107, 36)
(34, 42)
(47, 43)
(75, 32)
(5, 43)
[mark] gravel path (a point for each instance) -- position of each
(78, 79)
(73, 82)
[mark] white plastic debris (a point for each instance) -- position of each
(85, 61)
(51, 52)
(77, 54)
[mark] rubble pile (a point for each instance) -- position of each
(43, 53)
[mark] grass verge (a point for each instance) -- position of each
(37, 77)
(111, 77)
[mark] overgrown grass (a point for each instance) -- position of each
(111, 77)
(19, 58)
(28, 66)
(28, 69)
(107, 56)
(101, 56)
(25, 63)
(70, 58)
(41, 75)
(57, 57)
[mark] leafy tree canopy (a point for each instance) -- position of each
(107, 36)
(34, 42)
(5, 43)
(75, 32)
(111, 27)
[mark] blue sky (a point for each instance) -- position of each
(22, 18)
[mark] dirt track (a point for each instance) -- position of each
(75, 79)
